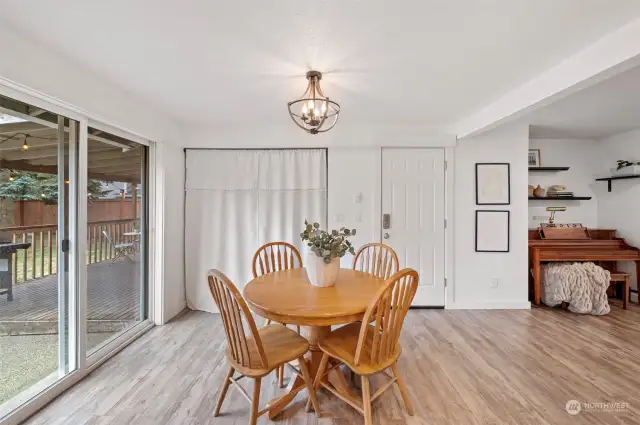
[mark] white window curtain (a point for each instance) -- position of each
(238, 200)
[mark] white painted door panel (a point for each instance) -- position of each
(413, 186)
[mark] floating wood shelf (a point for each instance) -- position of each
(609, 179)
(560, 198)
(548, 168)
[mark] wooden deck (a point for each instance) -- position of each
(113, 295)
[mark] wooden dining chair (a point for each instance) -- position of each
(376, 258)
(271, 257)
(275, 256)
(257, 353)
(371, 346)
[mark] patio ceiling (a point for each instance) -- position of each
(110, 157)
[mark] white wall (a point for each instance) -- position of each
(581, 156)
(175, 299)
(354, 167)
(28, 64)
(475, 271)
(355, 172)
(354, 161)
(620, 209)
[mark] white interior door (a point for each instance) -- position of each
(413, 197)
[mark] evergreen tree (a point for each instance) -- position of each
(40, 187)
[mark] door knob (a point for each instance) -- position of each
(386, 236)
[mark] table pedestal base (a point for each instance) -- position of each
(296, 383)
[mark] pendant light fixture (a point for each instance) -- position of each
(314, 112)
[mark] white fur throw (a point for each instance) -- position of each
(582, 285)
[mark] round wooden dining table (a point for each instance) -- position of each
(287, 296)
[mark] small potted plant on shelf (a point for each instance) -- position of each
(626, 168)
(325, 251)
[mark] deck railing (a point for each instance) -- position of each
(40, 259)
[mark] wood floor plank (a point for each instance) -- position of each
(460, 367)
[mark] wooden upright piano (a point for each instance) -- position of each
(597, 245)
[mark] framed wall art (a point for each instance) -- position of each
(534, 158)
(493, 184)
(492, 231)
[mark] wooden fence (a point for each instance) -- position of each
(41, 258)
(37, 213)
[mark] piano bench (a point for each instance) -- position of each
(616, 277)
(625, 278)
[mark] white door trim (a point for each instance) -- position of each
(449, 231)
(155, 247)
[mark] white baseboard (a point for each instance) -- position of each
(502, 305)
(489, 305)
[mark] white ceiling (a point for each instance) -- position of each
(431, 62)
(607, 108)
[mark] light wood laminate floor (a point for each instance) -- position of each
(461, 367)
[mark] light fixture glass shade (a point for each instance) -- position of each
(314, 112)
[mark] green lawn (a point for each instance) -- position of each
(29, 358)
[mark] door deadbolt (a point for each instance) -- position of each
(386, 221)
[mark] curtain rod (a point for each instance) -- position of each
(252, 149)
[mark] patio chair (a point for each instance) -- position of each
(125, 249)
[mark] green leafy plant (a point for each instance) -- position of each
(328, 245)
(624, 164)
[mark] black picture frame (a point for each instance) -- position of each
(508, 167)
(508, 213)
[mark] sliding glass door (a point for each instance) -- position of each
(38, 287)
(116, 236)
(74, 250)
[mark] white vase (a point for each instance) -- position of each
(631, 170)
(320, 273)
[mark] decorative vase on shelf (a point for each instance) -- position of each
(322, 274)
(531, 189)
(630, 170)
(538, 192)
(325, 251)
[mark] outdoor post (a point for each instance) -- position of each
(134, 199)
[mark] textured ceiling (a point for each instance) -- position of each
(431, 62)
(610, 107)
